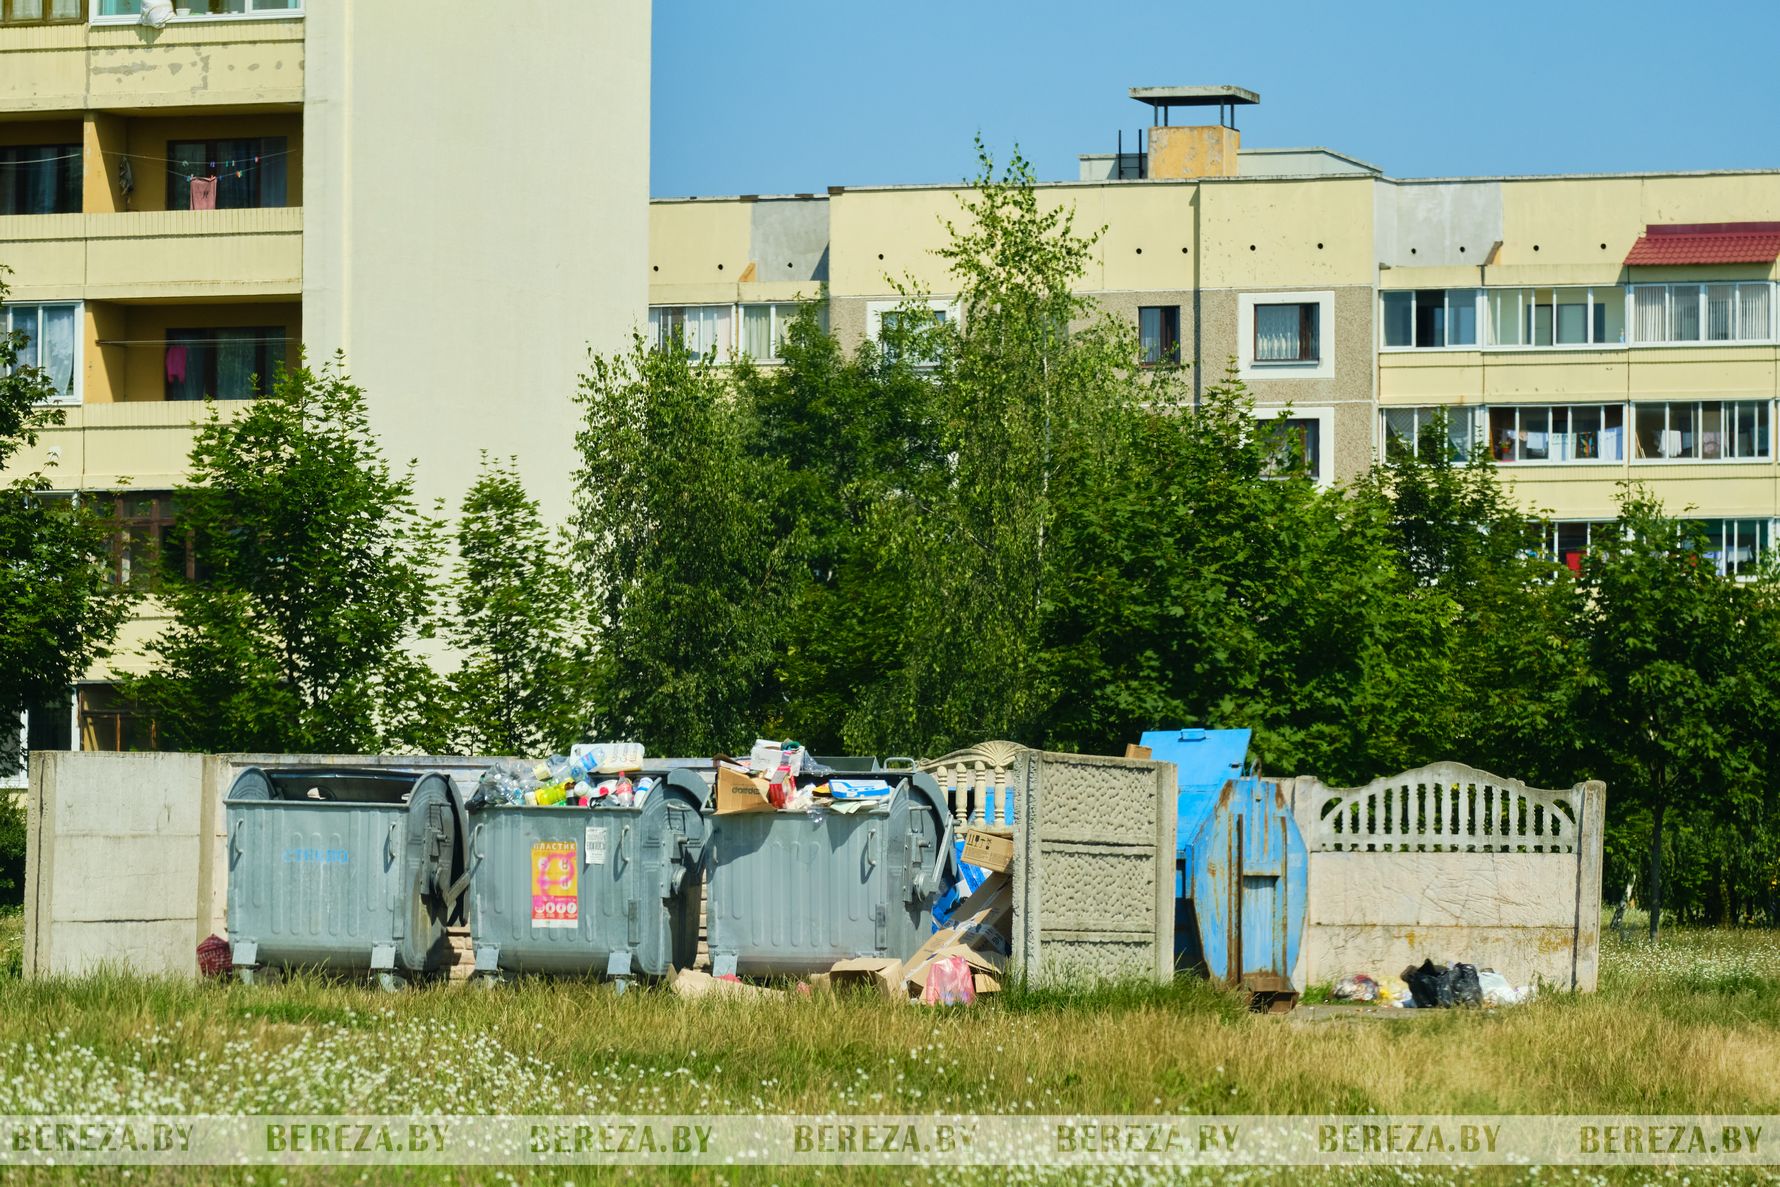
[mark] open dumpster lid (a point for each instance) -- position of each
(1204, 761)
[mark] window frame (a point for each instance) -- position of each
(1765, 427)
(7, 21)
(945, 308)
(1447, 305)
(162, 520)
(211, 154)
(1472, 413)
(778, 322)
(1602, 407)
(1269, 416)
(1527, 317)
(264, 337)
(1703, 314)
(1310, 314)
(74, 394)
(1168, 336)
(12, 173)
(251, 14)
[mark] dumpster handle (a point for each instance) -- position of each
(389, 844)
(456, 890)
(623, 836)
(235, 841)
(898, 762)
(871, 841)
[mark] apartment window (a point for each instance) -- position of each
(40, 179)
(1294, 445)
(1740, 312)
(109, 721)
(1568, 541)
(1404, 427)
(1538, 317)
(1702, 430)
(763, 330)
(232, 364)
(1736, 546)
(48, 342)
(896, 326)
(1558, 433)
(1288, 333)
(147, 540)
(205, 8)
(42, 12)
(249, 173)
(1430, 318)
(702, 329)
(1158, 335)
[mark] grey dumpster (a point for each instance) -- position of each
(794, 892)
(343, 869)
(613, 891)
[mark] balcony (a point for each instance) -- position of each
(228, 59)
(142, 445)
(154, 254)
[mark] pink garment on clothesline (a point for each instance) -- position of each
(203, 193)
(176, 364)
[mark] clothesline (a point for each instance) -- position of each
(74, 156)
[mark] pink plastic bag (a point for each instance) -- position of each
(950, 982)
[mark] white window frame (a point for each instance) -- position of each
(1668, 289)
(1479, 320)
(1266, 415)
(1625, 428)
(134, 18)
(67, 399)
(725, 350)
(1475, 412)
(1248, 368)
(777, 322)
(875, 311)
(1759, 550)
(1631, 422)
(1486, 323)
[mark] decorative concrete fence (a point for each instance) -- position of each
(1452, 863)
(1093, 875)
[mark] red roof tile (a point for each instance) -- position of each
(1707, 243)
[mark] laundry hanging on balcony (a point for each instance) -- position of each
(203, 193)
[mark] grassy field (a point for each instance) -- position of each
(1689, 1025)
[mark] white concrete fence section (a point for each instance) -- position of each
(1452, 863)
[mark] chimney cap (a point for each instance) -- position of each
(1204, 96)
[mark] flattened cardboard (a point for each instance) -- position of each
(875, 972)
(980, 928)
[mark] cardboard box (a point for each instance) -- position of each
(989, 848)
(738, 791)
(979, 931)
(1133, 750)
(869, 972)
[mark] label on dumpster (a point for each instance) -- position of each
(596, 845)
(556, 895)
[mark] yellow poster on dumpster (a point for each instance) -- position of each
(556, 894)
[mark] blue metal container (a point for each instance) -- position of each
(1241, 865)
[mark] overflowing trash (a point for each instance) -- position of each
(1432, 986)
(782, 777)
(1357, 988)
(590, 775)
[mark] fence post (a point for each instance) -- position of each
(1591, 817)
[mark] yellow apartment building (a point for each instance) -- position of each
(1581, 331)
(457, 199)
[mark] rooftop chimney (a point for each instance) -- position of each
(1193, 150)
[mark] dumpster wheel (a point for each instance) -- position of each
(391, 982)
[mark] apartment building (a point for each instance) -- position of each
(455, 195)
(1582, 331)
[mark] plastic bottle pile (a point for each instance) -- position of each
(591, 775)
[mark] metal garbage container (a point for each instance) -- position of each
(344, 869)
(791, 893)
(605, 890)
(1241, 882)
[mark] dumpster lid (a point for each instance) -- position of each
(1204, 761)
(347, 785)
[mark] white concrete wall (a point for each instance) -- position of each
(476, 214)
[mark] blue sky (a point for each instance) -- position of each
(780, 96)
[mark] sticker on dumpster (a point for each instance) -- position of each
(556, 899)
(596, 845)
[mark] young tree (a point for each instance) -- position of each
(1662, 639)
(58, 613)
(673, 536)
(315, 584)
(520, 688)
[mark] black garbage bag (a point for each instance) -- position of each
(1430, 985)
(1463, 985)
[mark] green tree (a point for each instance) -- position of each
(673, 536)
(58, 611)
(1032, 397)
(316, 584)
(520, 687)
(1662, 637)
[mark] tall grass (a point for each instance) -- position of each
(1690, 1024)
